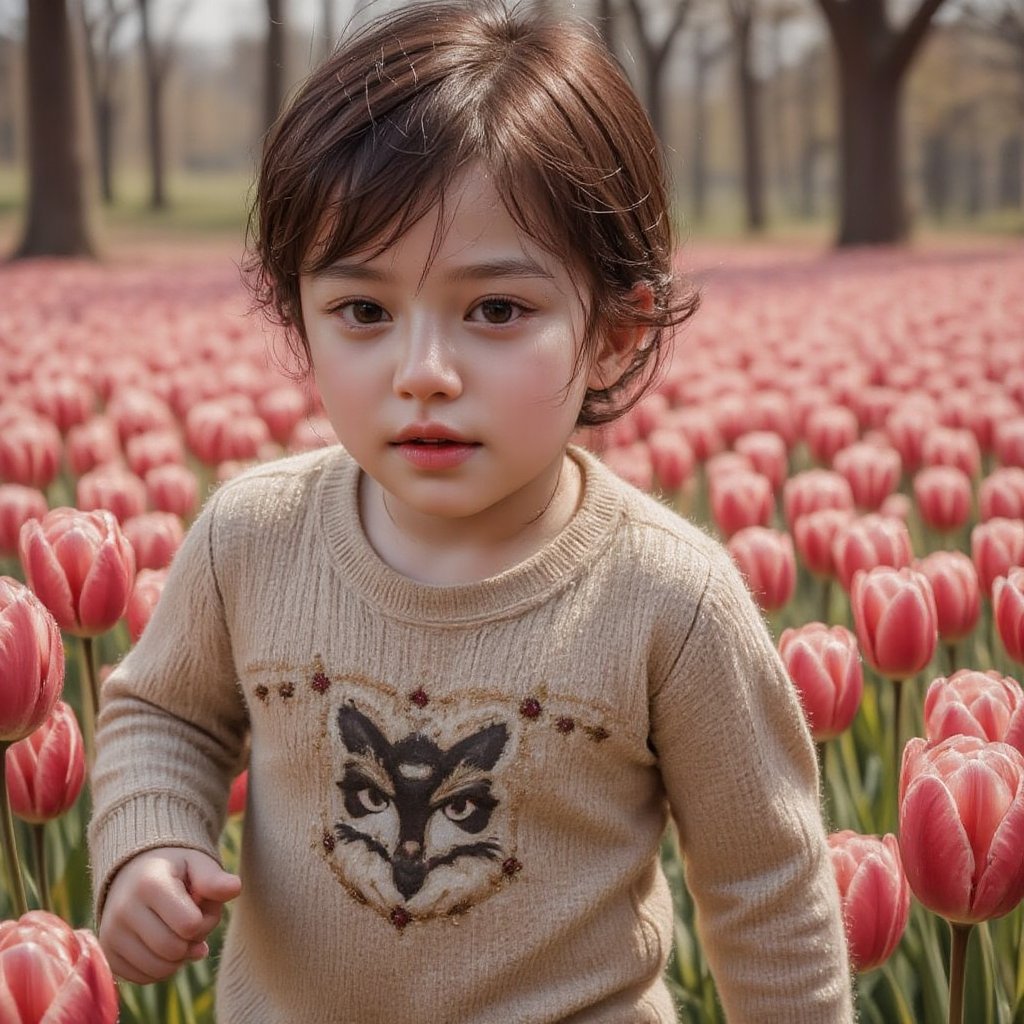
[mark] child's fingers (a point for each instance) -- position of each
(178, 912)
(211, 911)
(133, 960)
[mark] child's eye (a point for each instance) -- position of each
(362, 312)
(496, 311)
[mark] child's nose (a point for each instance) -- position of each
(427, 367)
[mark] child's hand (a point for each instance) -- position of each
(161, 906)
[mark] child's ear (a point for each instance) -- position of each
(621, 341)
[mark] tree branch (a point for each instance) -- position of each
(905, 44)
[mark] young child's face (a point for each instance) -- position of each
(451, 379)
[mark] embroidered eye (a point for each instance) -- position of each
(459, 809)
(371, 800)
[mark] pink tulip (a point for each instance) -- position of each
(814, 535)
(947, 446)
(155, 538)
(699, 429)
(648, 414)
(896, 506)
(281, 409)
(996, 547)
(64, 400)
(741, 499)
(51, 974)
(31, 661)
(114, 488)
(91, 444)
(149, 585)
(824, 664)
(239, 793)
(873, 473)
(723, 464)
(766, 559)
(633, 464)
(174, 489)
(81, 567)
(962, 826)
(18, 504)
(874, 893)
(138, 411)
(815, 489)
(906, 427)
(1008, 442)
(954, 582)
(1002, 494)
(30, 450)
(868, 542)
(217, 431)
(767, 453)
(154, 448)
(45, 771)
(971, 703)
(896, 620)
(943, 495)
(671, 459)
(829, 429)
(1008, 609)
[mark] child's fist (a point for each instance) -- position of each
(160, 907)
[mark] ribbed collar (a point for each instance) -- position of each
(528, 583)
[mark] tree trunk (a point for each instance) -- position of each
(59, 211)
(105, 120)
(273, 67)
(155, 138)
(936, 167)
(1011, 171)
(810, 144)
(750, 126)
(698, 151)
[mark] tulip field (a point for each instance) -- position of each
(851, 426)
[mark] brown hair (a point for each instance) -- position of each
(381, 129)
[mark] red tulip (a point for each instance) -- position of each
(155, 538)
(824, 664)
(174, 489)
(699, 429)
(1008, 441)
(154, 448)
(947, 446)
(91, 444)
(896, 620)
(281, 409)
(874, 893)
(114, 488)
(30, 450)
(633, 464)
(149, 585)
(814, 535)
(1002, 494)
(222, 429)
(81, 567)
(868, 542)
(1008, 609)
(873, 473)
(239, 793)
(64, 400)
(906, 427)
(814, 489)
(137, 411)
(970, 703)
(31, 661)
(829, 429)
(962, 826)
(943, 495)
(954, 582)
(996, 547)
(648, 414)
(45, 771)
(741, 499)
(766, 559)
(671, 459)
(767, 453)
(51, 974)
(18, 504)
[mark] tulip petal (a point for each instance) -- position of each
(106, 590)
(905, 640)
(33, 979)
(89, 992)
(872, 909)
(935, 848)
(1001, 886)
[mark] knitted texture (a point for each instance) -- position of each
(457, 794)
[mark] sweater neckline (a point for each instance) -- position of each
(529, 582)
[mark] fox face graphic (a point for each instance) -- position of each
(416, 818)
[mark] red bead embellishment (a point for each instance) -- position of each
(262, 692)
(510, 867)
(530, 708)
(329, 842)
(320, 682)
(400, 917)
(419, 698)
(286, 690)
(565, 724)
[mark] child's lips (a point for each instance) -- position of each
(435, 453)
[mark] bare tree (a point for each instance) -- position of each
(59, 221)
(656, 52)
(273, 67)
(873, 58)
(811, 141)
(707, 52)
(158, 57)
(101, 25)
(742, 14)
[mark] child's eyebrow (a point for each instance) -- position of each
(520, 267)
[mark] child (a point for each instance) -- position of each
(474, 669)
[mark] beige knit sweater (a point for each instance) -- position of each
(457, 794)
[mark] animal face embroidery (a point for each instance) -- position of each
(420, 822)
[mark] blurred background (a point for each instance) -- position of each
(849, 121)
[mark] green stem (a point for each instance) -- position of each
(39, 863)
(951, 654)
(957, 962)
(897, 708)
(826, 601)
(15, 884)
(90, 702)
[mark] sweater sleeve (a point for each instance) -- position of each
(741, 778)
(172, 723)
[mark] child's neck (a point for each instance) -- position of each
(449, 552)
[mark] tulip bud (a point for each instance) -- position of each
(873, 473)
(64, 400)
(155, 538)
(1008, 609)
(824, 664)
(648, 414)
(815, 489)
(137, 411)
(741, 499)
(671, 459)
(632, 464)
(943, 495)
(30, 450)
(814, 535)
(174, 489)
(868, 542)
(45, 771)
(766, 559)
(18, 504)
(896, 620)
(91, 444)
(149, 585)
(49, 972)
(700, 430)
(906, 428)
(81, 566)
(281, 408)
(996, 547)
(144, 452)
(829, 429)
(947, 446)
(1008, 442)
(114, 488)
(239, 793)
(962, 826)
(767, 453)
(1002, 494)
(954, 582)
(31, 661)
(970, 703)
(874, 893)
